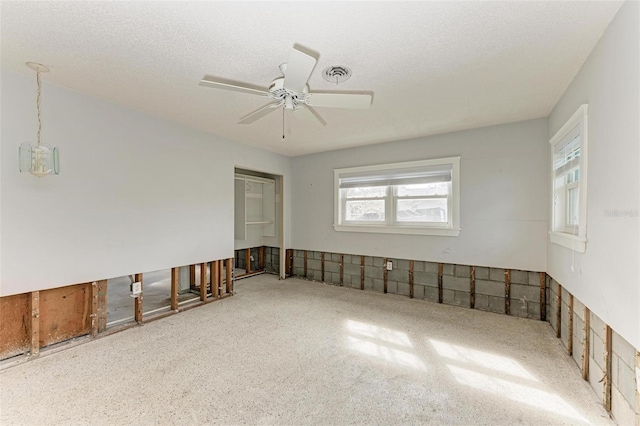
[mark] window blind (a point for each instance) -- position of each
(405, 176)
(567, 155)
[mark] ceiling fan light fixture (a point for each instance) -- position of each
(337, 74)
(291, 91)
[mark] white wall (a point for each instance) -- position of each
(136, 193)
(504, 175)
(606, 277)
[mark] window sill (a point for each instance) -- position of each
(572, 242)
(443, 232)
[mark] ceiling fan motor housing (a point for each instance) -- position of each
(285, 97)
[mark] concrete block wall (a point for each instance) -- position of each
(625, 406)
(240, 259)
(272, 259)
(351, 270)
(623, 383)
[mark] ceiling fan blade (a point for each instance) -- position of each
(309, 115)
(219, 83)
(299, 68)
(259, 113)
(340, 100)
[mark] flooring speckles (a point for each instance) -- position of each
(298, 352)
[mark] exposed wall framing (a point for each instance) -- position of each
(543, 296)
(203, 281)
(361, 273)
(570, 326)
(64, 313)
(229, 280)
(637, 369)
(94, 309)
(289, 262)
(261, 257)
(15, 317)
(472, 287)
(31, 321)
(305, 264)
(411, 266)
(586, 346)
(34, 326)
(138, 300)
(608, 349)
(440, 282)
(215, 279)
(192, 276)
(102, 305)
(268, 260)
(507, 291)
(605, 359)
(175, 278)
(481, 288)
(559, 312)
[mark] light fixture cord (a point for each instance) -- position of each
(38, 107)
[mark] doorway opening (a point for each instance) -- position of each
(258, 222)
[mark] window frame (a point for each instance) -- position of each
(391, 225)
(561, 232)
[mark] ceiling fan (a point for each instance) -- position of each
(291, 92)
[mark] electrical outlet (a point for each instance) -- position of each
(136, 289)
(389, 265)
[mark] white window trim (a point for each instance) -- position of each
(576, 241)
(451, 230)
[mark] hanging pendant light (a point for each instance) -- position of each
(41, 159)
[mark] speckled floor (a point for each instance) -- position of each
(297, 352)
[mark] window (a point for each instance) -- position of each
(417, 197)
(569, 183)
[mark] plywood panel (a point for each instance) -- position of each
(64, 313)
(14, 332)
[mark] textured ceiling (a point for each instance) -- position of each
(433, 67)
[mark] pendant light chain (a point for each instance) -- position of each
(38, 159)
(38, 107)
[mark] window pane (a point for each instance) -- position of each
(572, 206)
(422, 210)
(365, 210)
(434, 188)
(573, 175)
(366, 192)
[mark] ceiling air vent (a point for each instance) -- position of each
(336, 74)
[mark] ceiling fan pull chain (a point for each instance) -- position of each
(282, 123)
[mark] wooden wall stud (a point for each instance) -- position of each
(440, 281)
(138, 300)
(411, 279)
(34, 328)
(175, 274)
(507, 291)
(472, 287)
